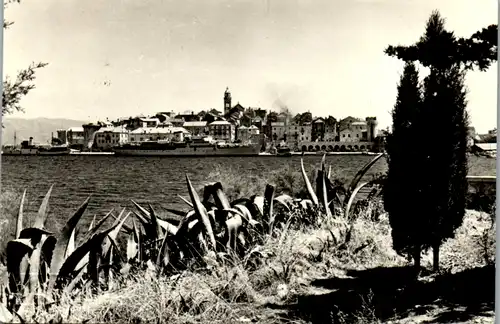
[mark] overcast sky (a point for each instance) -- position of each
(322, 56)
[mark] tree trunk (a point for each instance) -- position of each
(435, 257)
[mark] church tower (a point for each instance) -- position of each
(371, 123)
(227, 101)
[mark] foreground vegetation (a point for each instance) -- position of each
(286, 257)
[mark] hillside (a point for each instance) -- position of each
(38, 128)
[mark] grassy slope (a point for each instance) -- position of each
(302, 276)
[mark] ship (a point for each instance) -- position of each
(30, 148)
(194, 147)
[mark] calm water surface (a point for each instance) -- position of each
(114, 181)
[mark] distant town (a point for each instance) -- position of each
(302, 132)
(235, 124)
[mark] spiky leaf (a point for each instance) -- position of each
(309, 187)
(285, 200)
(98, 225)
(19, 223)
(325, 196)
(42, 211)
(186, 201)
(72, 261)
(268, 206)
(62, 245)
(201, 212)
(16, 251)
(360, 175)
(351, 199)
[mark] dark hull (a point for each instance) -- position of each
(252, 150)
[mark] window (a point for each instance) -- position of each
(348, 135)
(343, 135)
(357, 135)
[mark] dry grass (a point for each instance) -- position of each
(233, 290)
(236, 290)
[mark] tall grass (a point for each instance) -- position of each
(276, 269)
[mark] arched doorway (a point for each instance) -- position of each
(330, 148)
(342, 148)
(304, 148)
(311, 148)
(336, 148)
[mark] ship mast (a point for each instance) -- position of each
(15, 138)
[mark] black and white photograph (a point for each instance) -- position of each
(248, 161)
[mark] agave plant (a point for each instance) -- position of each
(41, 264)
(328, 195)
(213, 224)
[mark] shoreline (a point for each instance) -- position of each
(320, 153)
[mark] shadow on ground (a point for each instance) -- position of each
(388, 293)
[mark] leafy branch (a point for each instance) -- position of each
(15, 90)
(441, 49)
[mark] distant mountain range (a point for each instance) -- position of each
(38, 128)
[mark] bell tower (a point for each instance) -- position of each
(371, 131)
(227, 101)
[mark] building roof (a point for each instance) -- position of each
(159, 130)
(487, 146)
(253, 127)
(243, 127)
(194, 124)
(273, 124)
(349, 119)
(358, 123)
(239, 107)
(75, 129)
(220, 122)
(112, 130)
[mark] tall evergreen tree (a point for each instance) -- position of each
(444, 112)
(404, 149)
(435, 169)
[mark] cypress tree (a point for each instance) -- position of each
(426, 188)
(444, 112)
(401, 192)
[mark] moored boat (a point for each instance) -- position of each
(54, 150)
(184, 148)
(30, 148)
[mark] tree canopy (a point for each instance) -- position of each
(440, 48)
